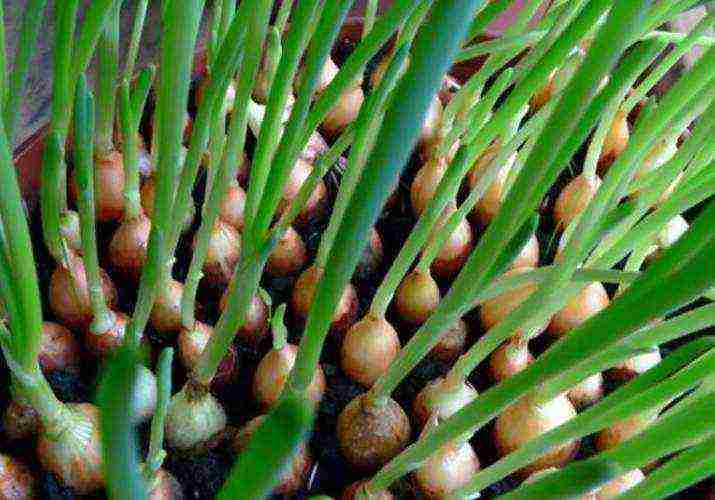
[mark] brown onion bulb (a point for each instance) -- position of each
(69, 294)
(430, 135)
(615, 142)
(489, 204)
(166, 313)
(272, 373)
(256, 326)
(372, 255)
(635, 366)
(224, 250)
(369, 348)
(591, 300)
(109, 187)
(587, 392)
(617, 486)
(193, 421)
(59, 349)
(293, 477)
(416, 298)
(127, 250)
(525, 420)
(574, 198)
(659, 155)
(164, 486)
(455, 250)
(233, 206)
(20, 420)
(343, 113)
(441, 399)
(371, 435)
(424, 186)
(16, 480)
(621, 431)
(304, 291)
(358, 488)
(148, 193)
(317, 201)
(448, 469)
(452, 342)
(529, 255)
(289, 256)
(70, 230)
(494, 310)
(104, 343)
(510, 358)
(192, 343)
(74, 452)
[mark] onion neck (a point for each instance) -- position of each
(33, 388)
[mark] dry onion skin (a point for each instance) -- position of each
(424, 186)
(59, 349)
(20, 421)
(574, 198)
(128, 248)
(446, 470)
(272, 373)
(368, 349)
(357, 491)
(525, 420)
(223, 253)
(166, 313)
(416, 298)
(109, 187)
(255, 327)
(452, 342)
(510, 358)
(371, 435)
(441, 400)
(288, 257)
(16, 480)
(591, 300)
(294, 476)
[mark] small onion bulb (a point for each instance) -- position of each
(193, 341)
(452, 342)
(574, 198)
(441, 398)
(20, 420)
(416, 298)
(510, 358)
(587, 392)
(224, 250)
(166, 312)
(16, 480)
(344, 112)
(289, 256)
(255, 327)
(529, 255)
(128, 248)
(591, 300)
(317, 201)
(357, 491)
(59, 349)
(621, 431)
(635, 366)
(430, 135)
(145, 394)
(424, 186)
(489, 204)
(102, 344)
(617, 486)
(369, 348)
(615, 142)
(233, 206)
(446, 470)
(193, 421)
(455, 250)
(148, 193)
(109, 187)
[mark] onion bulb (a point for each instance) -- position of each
(659, 155)
(621, 431)
(416, 298)
(372, 255)
(69, 294)
(489, 204)
(446, 470)
(255, 327)
(148, 193)
(127, 250)
(294, 475)
(636, 365)
(510, 358)
(289, 256)
(144, 395)
(615, 142)
(369, 348)
(455, 250)
(16, 480)
(102, 344)
(529, 255)
(591, 300)
(671, 232)
(356, 491)
(327, 73)
(20, 420)
(59, 349)
(344, 112)
(109, 187)
(430, 135)
(525, 420)
(315, 148)
(442, 398)
(224, 250)
(70, 230)
(451, 342)
(164, 486)
(73, 452)
(233, 206)
(273, 371)
(574, 198)
(317, 201)
(193, 421)
(424, 186)
(193, 341)
(617, 486)
(494, 310)
(587, 392)
(370, 434)
(304, 291)
(166, 312)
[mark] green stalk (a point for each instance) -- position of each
(485, 16)
(108, 51)
(26, 45)
(278, 327)
(3, 61)
(501, 44)
(137, 29)
(446, 191)
(179, 35)
(214, 28)
(156, 454)
(369, 17)
(257, 28)
(51, 196)
(103, 318)
(675, 37)
(228, 12)
(283, 14)
(433, 50)
(367, 125)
